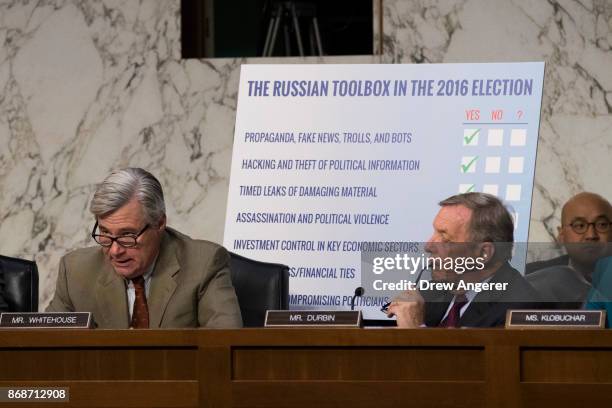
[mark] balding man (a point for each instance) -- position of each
(584, 233)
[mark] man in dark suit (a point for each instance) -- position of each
(3, 305)
(468, 226)
(488, 308)
(563, 282)
(531, 267)
(585, 233)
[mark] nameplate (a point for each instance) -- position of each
(68, 320)
(319, 318)
(555, 319)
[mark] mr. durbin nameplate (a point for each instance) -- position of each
(319, 318)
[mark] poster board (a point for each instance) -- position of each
(327, 157)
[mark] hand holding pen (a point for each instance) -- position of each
(408, 307)
(385, 307)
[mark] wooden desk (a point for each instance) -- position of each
(313, 368)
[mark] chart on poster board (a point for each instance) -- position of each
(329, 158)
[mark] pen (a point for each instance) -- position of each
(385, 307)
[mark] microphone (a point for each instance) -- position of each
(358, 292)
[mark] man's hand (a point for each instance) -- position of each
(409, 307)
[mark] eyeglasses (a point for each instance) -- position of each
(601, 225)
(126, 241)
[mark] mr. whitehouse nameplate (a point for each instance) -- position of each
(319, 318)
(556, 319)
(68, 320)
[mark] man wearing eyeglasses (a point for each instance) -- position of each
(585, 233)
(143, 274)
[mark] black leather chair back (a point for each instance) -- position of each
(260, 286)
(20, 284)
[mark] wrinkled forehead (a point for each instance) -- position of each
(128, 217)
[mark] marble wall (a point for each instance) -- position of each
(87, 86)
(573, 37)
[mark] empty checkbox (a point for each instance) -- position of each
(492, 189)
(516, 164)
(513, 192)
(495, 137)
(518, 137)
(492, 164)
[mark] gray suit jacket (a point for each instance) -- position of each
(190, 286)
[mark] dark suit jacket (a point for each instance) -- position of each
(536, 266)
(488, 309)
(190, 286)
(561, 287)
(3, 305)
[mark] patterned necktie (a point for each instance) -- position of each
(452, 318)
(140, 312)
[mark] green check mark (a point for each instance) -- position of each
(466, 167)
(468, 139)
(469, 190)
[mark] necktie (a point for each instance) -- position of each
(140, 312)
(452, 318)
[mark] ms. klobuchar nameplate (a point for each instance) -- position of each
(555, 319)
(67, 320)
(319, 318)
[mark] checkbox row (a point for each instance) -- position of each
(513, 191)
(495, 137)
(492, 164)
